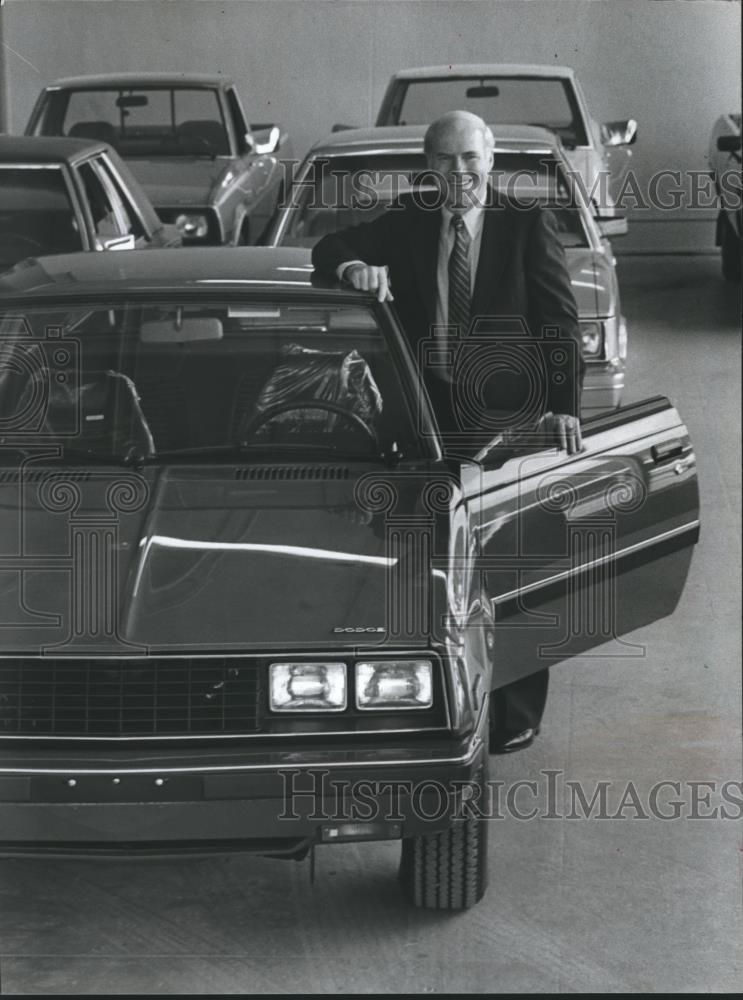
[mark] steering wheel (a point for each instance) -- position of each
(259, 419)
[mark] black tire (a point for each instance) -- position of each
(730, 253)
(448, 871)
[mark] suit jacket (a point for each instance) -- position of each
(522, 293)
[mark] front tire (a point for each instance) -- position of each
(730, 253)
(448, 870)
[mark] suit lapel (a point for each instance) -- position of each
(424, 253)
(494, 254)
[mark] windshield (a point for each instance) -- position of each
(498, 100)
(143, 121)
(346, 190)
(143, 382)
(36, 214)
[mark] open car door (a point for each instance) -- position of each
(577, 551)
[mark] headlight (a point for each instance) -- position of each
(194, 227)
(591, 337)
(394, 684)
(307, 687)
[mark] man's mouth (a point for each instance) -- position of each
(461, 190)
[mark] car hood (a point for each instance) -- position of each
(175, 182)
(214, 558)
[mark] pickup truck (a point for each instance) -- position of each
(521, 94)
(187, 139)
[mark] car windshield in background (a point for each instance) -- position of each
(144, 121)
(516, 100)
(342, 191)
(36, 214)
(144, 382)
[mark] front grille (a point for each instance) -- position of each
(130, 697)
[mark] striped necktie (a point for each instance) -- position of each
(459, 278)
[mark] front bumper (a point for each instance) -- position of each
(268, 801)
(603, 386)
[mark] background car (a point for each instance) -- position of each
(725, 163)
(187, 139)
(505, 94)
(251, 564)
(354, 175)
(62, 195)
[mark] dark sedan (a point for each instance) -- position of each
(251, 599)
(62, 195)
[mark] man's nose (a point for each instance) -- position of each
(457, 165)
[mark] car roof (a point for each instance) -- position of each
(45, 149)
(401, 137)
(120, 273)
(128, 79)
(483, 69)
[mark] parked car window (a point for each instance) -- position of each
(152, 121)
(348, 190)
(519, 101)
(106, 223)
(36, 214)
(259, 378)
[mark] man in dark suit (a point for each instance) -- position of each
(465, 265)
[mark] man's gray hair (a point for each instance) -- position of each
(454, 118)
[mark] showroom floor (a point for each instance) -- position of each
(616, 905)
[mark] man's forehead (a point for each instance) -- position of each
(458, 137)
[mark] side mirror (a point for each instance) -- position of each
(248, 143)
(728, 143)
(619, 133)
(266, 137)
(612, 226)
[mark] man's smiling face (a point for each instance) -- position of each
(460, 155)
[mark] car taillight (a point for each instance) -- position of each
(591, 338)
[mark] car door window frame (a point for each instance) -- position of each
(99, 242)
(140, 230)
(119, 208)
(238, 125)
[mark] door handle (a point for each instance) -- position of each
(667, 450)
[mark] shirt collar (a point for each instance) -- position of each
(472, 219)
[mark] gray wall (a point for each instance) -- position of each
(673, 65)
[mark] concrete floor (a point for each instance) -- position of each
(622, 905)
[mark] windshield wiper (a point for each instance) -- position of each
(309, 452)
